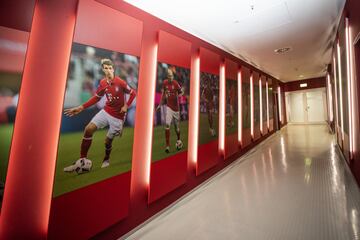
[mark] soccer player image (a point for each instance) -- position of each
(232, 96)
(170, 92)
(113, 114)
(207, 96)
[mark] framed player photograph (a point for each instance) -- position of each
(231, 107)
(97, 127)
(209, 108)
(12, 57)
(246, 108)
(171, 115)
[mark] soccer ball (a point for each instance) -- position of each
(83, 165)
(179, 144)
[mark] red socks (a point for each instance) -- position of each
(85, 145)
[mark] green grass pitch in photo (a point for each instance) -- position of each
(6, 132)
(69, 152)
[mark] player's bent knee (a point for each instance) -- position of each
(90, 129)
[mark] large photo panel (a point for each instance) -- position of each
(209, 108)
(264, 105)
(271, 103)
(257, 123)
(171, 120)
(246, 108)
(97, 131)
(231, 107)
(13, 46)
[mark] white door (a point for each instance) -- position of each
(306, 106)
(296, 110)
(315, 106)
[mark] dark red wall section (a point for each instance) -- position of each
(208, 156)
(167, 175)
(174, 50)
(311, 83)
(17, 14)
(82, 213)
(95, 26)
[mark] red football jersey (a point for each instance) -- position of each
(115, 95)
(171, 90)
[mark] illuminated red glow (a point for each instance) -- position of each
(222, 102)
(330, 99)
(51, 35)
(239, 79)
(279, 100)
(349, 58)
(252, 105)
(261, 106)
(267, 105)
(194, 106)
(336, 98)
(340, 90)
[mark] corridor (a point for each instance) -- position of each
(294, 185)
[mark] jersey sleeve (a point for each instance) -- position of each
(100, 91)
(130, 91)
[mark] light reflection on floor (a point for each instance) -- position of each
(294, 186)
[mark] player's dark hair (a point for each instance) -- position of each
(106, 61)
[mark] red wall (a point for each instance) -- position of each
(28, 195)
(352, 12)
(311, 83)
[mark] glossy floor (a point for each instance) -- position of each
(292, 186)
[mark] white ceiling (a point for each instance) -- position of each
(253, 29)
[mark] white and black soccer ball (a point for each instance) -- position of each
(179, 145)
(83, 165)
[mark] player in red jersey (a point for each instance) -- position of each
(170, 92)
(208, 96)
(113, 114)
(232, 96)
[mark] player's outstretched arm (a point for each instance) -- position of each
(73, 111)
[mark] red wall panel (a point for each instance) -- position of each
(17, 14)
(12, 58)
(174, 50)
(209, 61)
(208, 156)
(82, 213)
(311, 83)
(104, 27)
(167, 175)
(231, 145)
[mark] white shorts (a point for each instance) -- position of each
(103, 119)
(171, 115)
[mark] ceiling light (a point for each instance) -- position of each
(282, 50)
